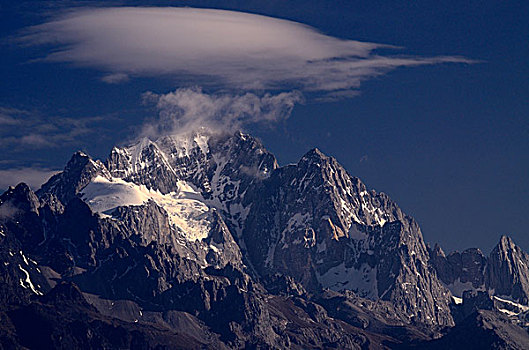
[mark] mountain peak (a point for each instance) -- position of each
(80, 153)
(506, 243)
(508, 270)
(79, 171)
(314, 153)
(506, 249)
(314, 157)
(79, 158)
(21, 197)
(22, 188)
(438, 251)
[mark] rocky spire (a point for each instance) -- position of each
(79, 171)
(508, 270)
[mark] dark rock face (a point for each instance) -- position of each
(483, 329)
(376, 316)
(504, 272)
(20, 277)
(315, 222)
(473, 301)
(79, 171)
(64, 319)
(20, 214)
(467, 267)
(508, 271)
(112, 260)
(208, 243)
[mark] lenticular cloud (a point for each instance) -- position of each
(213, 47)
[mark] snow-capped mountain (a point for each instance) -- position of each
(312, 220)
(205, 234)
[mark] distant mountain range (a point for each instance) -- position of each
(202, 240)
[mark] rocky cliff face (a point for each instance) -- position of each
(220, 167)
(460, 271)
(504, 272)
(312, 221)
(317, 223)
(508, 271)
(207, 236)
(78, 173)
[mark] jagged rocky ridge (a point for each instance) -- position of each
(207, 231)
(505, 272)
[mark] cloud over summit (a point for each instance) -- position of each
(187, 109)
(218, 48)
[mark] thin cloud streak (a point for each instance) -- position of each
(115, 78)
(24, 130)
(34, 177)
(226, 49)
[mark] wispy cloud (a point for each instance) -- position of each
(7, 116)
(32, 176)
(221, 48)
(29, 138)
(187, 109)
(8, 211)
(115, 78)
(25, 129)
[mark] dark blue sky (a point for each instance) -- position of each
(449, 143)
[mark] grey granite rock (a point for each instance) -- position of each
(508, 271)
(317, 223)
(504, 272)
(79, 171)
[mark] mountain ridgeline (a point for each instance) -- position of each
(203, 241)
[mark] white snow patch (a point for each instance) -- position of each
(521, 307)
(27, 282)
(508, 312)
(297, 221)
(202, 142)
(457, 288)
(214, 248)
(24, 257)
(103, 195)
(186, 209)
(457, 300)
(356, 234)
(362, 281)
